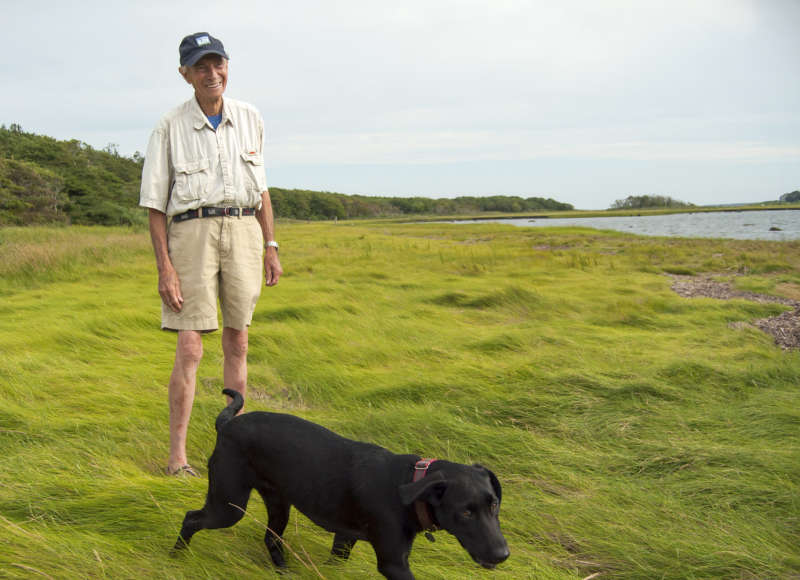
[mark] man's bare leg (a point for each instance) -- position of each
(234, 348)
(182, 384)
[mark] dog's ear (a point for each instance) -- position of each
(432, 485)
(498, 491)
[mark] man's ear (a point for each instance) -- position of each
(432, 486)
(183, 71)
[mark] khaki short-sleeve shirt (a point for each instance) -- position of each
(189, 165)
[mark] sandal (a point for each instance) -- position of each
(183, 470)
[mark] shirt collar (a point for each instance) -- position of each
(200, 119)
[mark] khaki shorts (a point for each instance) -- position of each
(215, 257)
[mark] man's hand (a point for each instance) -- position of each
(272, 267)
(169, 287)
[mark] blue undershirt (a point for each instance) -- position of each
(215, 120)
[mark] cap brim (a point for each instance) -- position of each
(191, 61)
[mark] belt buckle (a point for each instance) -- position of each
(231, 211)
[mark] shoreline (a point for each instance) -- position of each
(599, 213)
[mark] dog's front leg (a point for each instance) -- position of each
(392, 554)
(395, 570)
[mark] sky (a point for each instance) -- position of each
(582, 101)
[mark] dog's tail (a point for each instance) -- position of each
(230, 411)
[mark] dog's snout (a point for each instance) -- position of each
(501, 555)
(498, 552)
(494, 559)
(494, 555)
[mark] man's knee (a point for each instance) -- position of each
(190, 348)
(235, 343)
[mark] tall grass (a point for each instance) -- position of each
(637, 434)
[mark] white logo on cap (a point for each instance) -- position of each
(202, 40)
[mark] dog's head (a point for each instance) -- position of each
(465, 501)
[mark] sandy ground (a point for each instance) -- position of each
(785, 328)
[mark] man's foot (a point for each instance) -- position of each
(182, 471)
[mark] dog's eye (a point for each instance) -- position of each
(495, 507)
(466, 514)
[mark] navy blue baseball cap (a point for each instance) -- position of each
(197, 45)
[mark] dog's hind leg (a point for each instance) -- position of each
(342, 544)
(214, 515)
(192, 523)
(226, 502)
(278, 512)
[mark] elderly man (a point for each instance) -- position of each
(211, 225)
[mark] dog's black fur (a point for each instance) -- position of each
(356, 490)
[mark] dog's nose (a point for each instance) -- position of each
(501, 555)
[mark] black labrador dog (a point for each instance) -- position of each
(356, 490)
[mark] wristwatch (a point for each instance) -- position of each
(272, 244)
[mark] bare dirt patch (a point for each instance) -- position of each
(789, 290)
(784, 328)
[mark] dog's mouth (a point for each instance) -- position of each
(490, 561)
(488, 564)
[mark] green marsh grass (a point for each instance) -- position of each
(637, 434)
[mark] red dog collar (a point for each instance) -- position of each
(423, 511)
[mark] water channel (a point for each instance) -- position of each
(783, 225)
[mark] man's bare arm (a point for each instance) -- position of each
(169, 287)
(265, 217)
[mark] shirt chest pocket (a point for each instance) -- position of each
(191, 180)
(254, 171)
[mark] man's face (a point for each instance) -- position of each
(208, 76)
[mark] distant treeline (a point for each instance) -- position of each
(648, 201)
(46, 181)
(793, 197)
(310, 205)
(662, 201)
